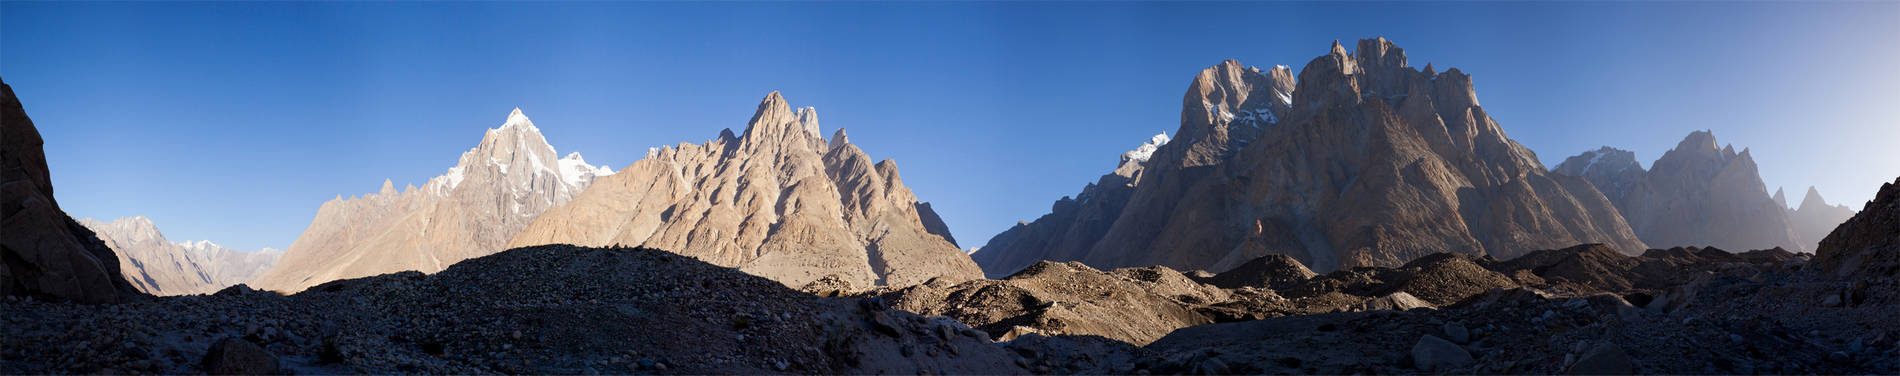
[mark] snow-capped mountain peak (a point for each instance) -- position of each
(577, 173)
(1147, 149)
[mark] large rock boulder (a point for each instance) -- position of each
(45, 253)
(235, 356)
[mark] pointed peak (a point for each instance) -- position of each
(774, 114)
(1698, 140)
(389, 188)
(1339, 49)
(1813, 195)
(838, 138)
(574, 156)
(516, 118)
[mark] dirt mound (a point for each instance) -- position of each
(1271, 271)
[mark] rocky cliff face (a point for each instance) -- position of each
(1365, 161)
(1814, 219)
(778, 201)
(160, 267)
(495, 190)
(1698, 194)
(1868, 244)
(43, 252)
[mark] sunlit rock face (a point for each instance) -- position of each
(159, 266)
(777, 200)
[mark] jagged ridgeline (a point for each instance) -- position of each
(778, 200)
(469, 211)
(1361, 161)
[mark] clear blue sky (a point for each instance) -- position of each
(234, 121)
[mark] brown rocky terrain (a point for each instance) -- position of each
(44, 252)
(1365, 161)
(161, 267)
(778, 200)
(1698, 194)
(472, 210)
(1580, 310)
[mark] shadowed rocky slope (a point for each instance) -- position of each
(1366, 161)
(1867, 246)
(778, 201)
(539, 310)
(44, 252)
(160, 267)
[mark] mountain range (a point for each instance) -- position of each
(1697, 194)
(161, 267)
(778, 200)
(472, 210)
(1360, 161)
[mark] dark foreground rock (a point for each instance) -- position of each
(544, 310)
(43, 252)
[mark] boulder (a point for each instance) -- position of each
(234, 356)
(1433, 354)
(1398, 301)
(1605, 358)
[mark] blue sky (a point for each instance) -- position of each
(234, 121)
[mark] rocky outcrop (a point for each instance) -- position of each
(1867, 245)
(472, 210)
(160, 267)
(1698, 194)
(1051, 298)
(1815, 218)
(1365, 161)
(778, 201)
(43, 252)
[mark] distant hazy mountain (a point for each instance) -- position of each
(43, 252)
(1814, 219)
(778, 201)
(470, 211)
(160, 267)
(1364, 161)
(1698, 194)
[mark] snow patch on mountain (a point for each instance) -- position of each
(577, 173)
(1147, 149)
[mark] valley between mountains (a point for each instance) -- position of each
(1356, 215)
